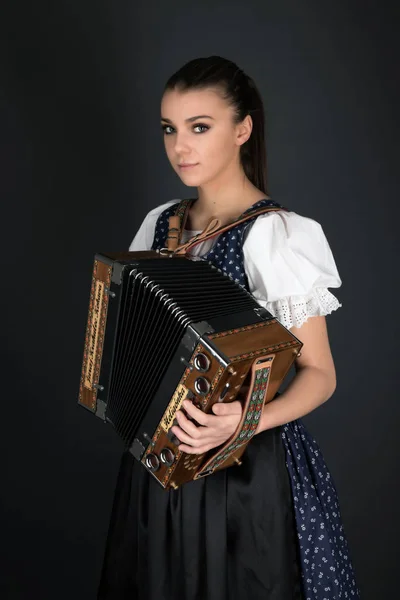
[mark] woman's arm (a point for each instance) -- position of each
(314, 382)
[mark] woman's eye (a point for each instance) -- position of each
(167, 127)
(201, 125)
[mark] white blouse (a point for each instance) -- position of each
(287, 259)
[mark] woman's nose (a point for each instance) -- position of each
(181, 143)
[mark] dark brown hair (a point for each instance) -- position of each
(240, 92)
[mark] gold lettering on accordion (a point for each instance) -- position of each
(94, 333)
(176, 402)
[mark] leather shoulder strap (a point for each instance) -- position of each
(177, 224)
(213, 228)
(178, 221)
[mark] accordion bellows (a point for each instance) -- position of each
(161, 329)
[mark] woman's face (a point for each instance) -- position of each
(199, 130)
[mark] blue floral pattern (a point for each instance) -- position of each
(327, 571)
(326, 565)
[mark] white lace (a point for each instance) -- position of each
(295, 310)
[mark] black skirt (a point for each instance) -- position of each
(229, 536)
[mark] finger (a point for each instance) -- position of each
(227, 408)
(186, 438)
(209, 441)
(196, 413)
(187, 425)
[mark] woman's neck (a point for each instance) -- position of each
(223, 201)
(227, 199)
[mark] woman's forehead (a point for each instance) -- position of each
(185, 105)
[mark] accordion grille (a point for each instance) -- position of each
(158, 302)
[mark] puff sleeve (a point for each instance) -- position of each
(143, 239)
(290, 266)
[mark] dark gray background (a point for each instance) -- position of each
(82, 161)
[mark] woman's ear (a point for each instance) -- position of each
(244, 129)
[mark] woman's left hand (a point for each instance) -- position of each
(212, 429)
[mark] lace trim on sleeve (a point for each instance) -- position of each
(295, 310)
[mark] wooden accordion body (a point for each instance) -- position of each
(161, 329)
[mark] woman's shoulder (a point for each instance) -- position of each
(290, 247)
(286, 230)
(286, 223)
(144, 237)
(155, 212)
(290, 266)
(152, 216)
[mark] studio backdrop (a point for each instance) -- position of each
(83, 161)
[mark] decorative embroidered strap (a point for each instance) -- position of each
(251, 415)
(178, 221)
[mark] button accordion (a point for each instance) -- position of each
(162, 329)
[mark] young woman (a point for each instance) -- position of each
(271, 528)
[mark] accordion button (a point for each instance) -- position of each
(201, 362)
(172, 437)
(167, 456)
(175, 440)
(152, 462)
(202, 386)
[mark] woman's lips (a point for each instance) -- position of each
(187, 166)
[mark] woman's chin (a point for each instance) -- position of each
(191, 180)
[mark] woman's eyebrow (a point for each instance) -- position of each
(190, 119)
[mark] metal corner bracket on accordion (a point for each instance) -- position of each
(162, 330)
